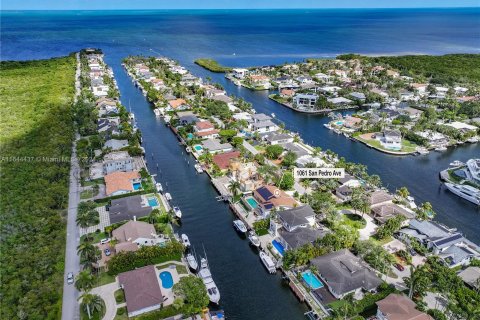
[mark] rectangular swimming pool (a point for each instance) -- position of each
(198, 147)
(311, 280)
(252, 202)
(152, 202)
(279, 247)
(137, 186)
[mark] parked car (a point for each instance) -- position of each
(107, 252)
(70, 278)
(106, 240)
(399, 266)
(413, 252)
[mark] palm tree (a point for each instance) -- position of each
(234, 188)
(88, 253)
(91, 303)
(88, 218)
(84, 281)
(425, 211)
(403, 192)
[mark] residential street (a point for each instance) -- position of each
(70, 306)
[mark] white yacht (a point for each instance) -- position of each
(192, 262)
(254, 241)
(465, 191)
(198, 167)
(442, 148)
(206, 276)
(472, 140)
(168, 196)
(411, 202)
(273, 115)
(185, 240)
(456, 163)
(159, 187)
(157, 112)
(268, 262)
(178, 212)
(240, 226)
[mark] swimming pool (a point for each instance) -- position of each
(167, 279)
(190, 136)
(312, 280)
(252, 202)
(339, 123)
(137, 186)
(279, 247)
(198, 147)
(152, 202)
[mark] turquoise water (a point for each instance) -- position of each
(312, 280)
(190, 136)
(167, 279)
(252, 202)
(137, 186)
(279, 247)
(198, 147)
(152, 202)
(339, 123)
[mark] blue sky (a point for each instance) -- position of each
(226, 4)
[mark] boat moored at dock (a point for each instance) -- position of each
(253, 239)
(465, 191)
(168, 196)
(206, 276)
(268, 262)
(159, 187)
(192, 262)
(185, 240)
(177, 212)
(240, 226)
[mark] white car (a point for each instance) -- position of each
(70, 278)
(104, 241)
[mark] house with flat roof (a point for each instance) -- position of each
(186, 117)
(142, 290)
(305, 100)
(339, 101)
(128, 208)
(117, 161)
(399, 307)
(240, 73)
(277, 138)
(270, 197)
(390, 139)
(115, 144)
(295, 148)
(471, 276)
(118, 182)
(262, 123)
(344, 273)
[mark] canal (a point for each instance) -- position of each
(247, 290)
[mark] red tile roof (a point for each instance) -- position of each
(203, 125)
(223, 160)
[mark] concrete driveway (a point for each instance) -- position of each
(107, 292)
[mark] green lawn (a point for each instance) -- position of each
(354, 221)
(181, 269)
(121, 314)
(36, 134)
(212, 65)
(96, 237)
(104, 278)
(119, 296)
(87, 194)
(407, 146)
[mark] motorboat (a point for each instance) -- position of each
(472, 140)
(192, 262)
(159, 187)
(157, 112)
(465, 191)
(411, 202)
(273, 115)
(442, 148)
(198, 167)
(456, 163)
(177, 212)
(240, 226)
(268, 262)
(185, 240)
(168, 196)
(206, 276)
(253, 238)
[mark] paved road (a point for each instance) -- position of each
(70, 306)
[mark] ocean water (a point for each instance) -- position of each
(246, 38)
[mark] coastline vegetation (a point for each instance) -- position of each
(212, 65)
(36, 138)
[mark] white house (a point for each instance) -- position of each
(390, 139)
(240, 73)
(305, 100)
(117, 161)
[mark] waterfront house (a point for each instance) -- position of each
(117, 161)
(331, 90)
(205, 129)
(213, 92)
(471, 277)
(262, 123)
(305, 100)
(135, 234)
(118, 182)
(106, 106)
(379, 197)
(420, 88)
(449, 245)
(215, 146)
(222, 160)
(100, 90)
(240, 73)
(109, 125)
(399, 307)
(435, 139)
(287, 93)
(344, 193)
(358, 96)
(259, 80)
(115, 144)
(383, 212)
(246, 175)
(298, 217)
(338, 101)
(352, 122)
(141, 289)
(461, 126)
(309, 160)
(269, 198)
(128, 208)
(177, 104)
(390, 140)
(344, 273)
(349, 180)
(186, 117)
(295, 148)
(277, 138)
